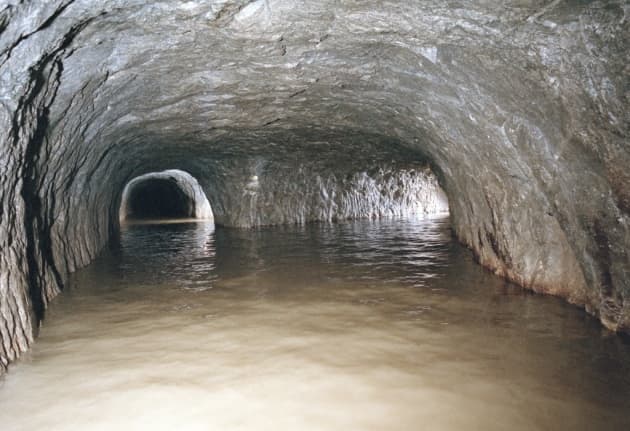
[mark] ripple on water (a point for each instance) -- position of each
(356, 325)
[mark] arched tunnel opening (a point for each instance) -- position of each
(171, 194)
(389, 182)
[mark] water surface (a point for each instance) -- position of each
(366, 325)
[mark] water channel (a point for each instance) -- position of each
(359, 325)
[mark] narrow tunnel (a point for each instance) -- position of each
(171, 194)
(159, 198)
(387, 178)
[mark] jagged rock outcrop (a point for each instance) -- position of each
(520, 107)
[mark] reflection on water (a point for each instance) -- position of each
(356, 326)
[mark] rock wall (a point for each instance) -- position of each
(520, 107)
(246, 193)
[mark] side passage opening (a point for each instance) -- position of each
(171, 194)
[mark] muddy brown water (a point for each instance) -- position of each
(366, 325)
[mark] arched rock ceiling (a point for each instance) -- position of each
(520, 106)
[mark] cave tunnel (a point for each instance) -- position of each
(159, 199)
(172, 194)
(503, 125)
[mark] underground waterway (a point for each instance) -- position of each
(358, 325)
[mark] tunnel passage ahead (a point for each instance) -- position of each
(159, 199)
(168, 194)
(520, 108)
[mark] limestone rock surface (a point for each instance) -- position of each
(520, 107)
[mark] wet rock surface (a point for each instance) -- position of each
(520, 108)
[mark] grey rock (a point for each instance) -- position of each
(520, 107)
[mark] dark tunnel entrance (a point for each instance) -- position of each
(171, 194)
(159, 198)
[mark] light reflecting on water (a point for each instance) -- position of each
(355, 326)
